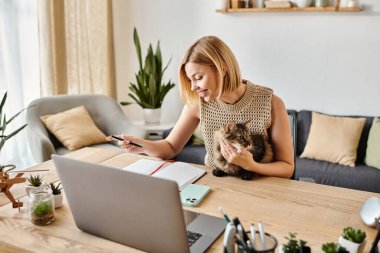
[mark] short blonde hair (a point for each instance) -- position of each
(211, 51)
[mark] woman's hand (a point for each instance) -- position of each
(128, 143)
(241, 157)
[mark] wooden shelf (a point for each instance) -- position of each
(310, 9)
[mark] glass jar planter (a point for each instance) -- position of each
(41, 207)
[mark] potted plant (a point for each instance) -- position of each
(294, 246)
(57, 193)
(149, 89)
(3, 136)
(353, 239)
(41, 207)
(332, 247)
(35, 183)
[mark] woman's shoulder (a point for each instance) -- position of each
(258, 88)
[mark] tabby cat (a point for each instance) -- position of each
(240, 137)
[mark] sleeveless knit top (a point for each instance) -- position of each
(255, 105)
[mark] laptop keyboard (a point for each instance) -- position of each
(193, 237)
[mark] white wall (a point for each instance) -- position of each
(324, 61)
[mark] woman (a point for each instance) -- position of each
(214, 94)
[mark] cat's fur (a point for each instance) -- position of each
(240, 137)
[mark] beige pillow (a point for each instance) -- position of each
(333, 139)
(74, 128)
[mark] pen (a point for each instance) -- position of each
(262, 235)
(237, 222)
(224, 214)
(239, 240)
(253, 234)
(121, 139)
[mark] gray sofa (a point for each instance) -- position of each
(360, 177)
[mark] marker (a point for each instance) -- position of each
(237, 222)
(224, 214)
(262, 236)
(228, 240)
(121, 139)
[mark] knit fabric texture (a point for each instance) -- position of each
(255, 105)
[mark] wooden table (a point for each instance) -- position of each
(318, 213)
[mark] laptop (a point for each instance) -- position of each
(136, 210)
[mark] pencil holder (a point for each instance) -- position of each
(268, 245)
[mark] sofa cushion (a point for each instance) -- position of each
(333, 139)
(74, 128)
(303, 128)
(361, 177)
(373, 147)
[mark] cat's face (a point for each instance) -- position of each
(237, 134)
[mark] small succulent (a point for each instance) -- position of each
(56, 189)
(35, 181)
(332, 247)
(43, 208)
(293, 245)
(353, 234)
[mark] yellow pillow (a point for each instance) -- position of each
(333, 139)
(74, 128)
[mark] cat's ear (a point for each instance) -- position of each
(230, 125)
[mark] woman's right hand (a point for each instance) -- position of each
(132, 144)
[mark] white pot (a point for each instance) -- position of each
(303, 3)
(354, 3)
(152, 115)
(222, 4)
(29, 188)
(58, 200)
(343, 3)
(351, 246)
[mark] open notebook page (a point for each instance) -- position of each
(182, 173)
(143, 166)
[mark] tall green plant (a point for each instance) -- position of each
(3, 127)
(149, 89)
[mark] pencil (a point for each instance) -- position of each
(121, 139)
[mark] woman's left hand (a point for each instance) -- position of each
(242, 157)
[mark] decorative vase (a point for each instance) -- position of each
(321, 3)
(351, 247)
(152, 115)
(58, 200)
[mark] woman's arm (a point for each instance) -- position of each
(174, 143)
(283, 159)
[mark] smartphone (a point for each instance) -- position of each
(121, 139)
(193, 194)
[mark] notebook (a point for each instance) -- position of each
(136, 210)
(182, 173)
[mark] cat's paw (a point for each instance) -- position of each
(246, 175)
(218, 172)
